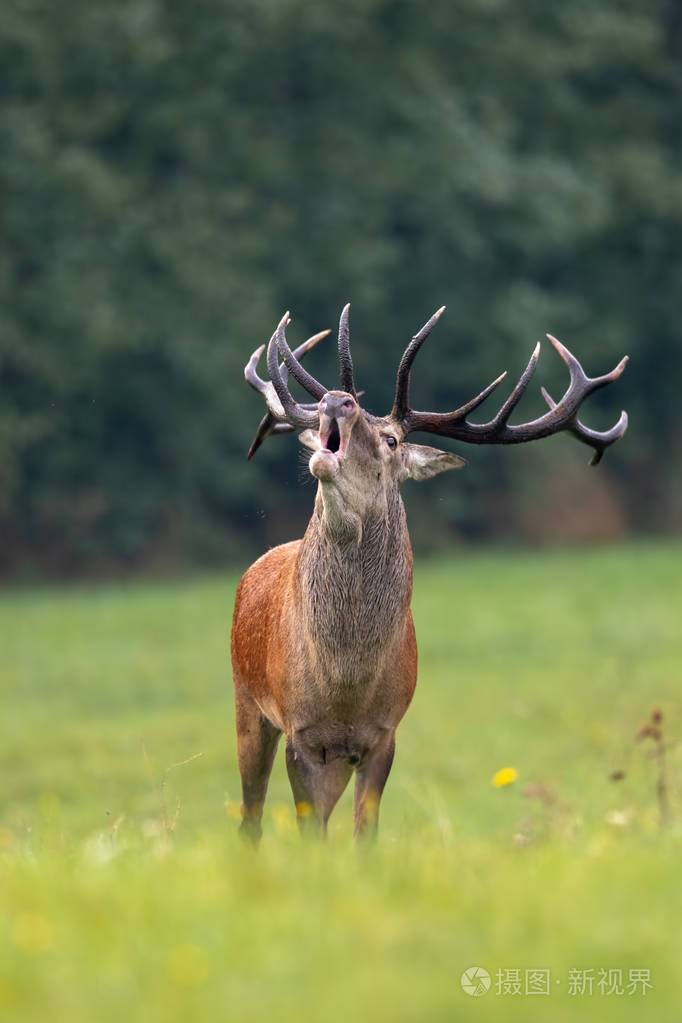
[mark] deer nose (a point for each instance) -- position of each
(336, 406)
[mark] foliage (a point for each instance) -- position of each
(177, 176)
(116, 904)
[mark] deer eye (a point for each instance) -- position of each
(391, 441)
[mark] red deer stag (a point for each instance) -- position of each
(323, 645)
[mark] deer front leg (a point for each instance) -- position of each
(371, 777)
(257, 741)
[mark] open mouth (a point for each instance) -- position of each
(326, 462)
(333, 441)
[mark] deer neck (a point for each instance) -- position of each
(355, 576)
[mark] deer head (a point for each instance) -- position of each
(359, 457)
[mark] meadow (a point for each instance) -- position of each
(125, 893)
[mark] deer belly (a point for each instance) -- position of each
(326, 741)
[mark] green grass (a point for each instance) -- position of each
(548, 663)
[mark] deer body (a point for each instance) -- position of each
(323, 644)
(327, 624)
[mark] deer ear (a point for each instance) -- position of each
(424, 462)
(310, 439)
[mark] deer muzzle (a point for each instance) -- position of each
(338, 413)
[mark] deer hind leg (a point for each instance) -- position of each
(371, 777)
(317, 787)
(257, 741)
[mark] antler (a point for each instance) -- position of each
(595, 439)
(284, 414)
(561, 416)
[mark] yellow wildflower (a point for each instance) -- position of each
(504, 777)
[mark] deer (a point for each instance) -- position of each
(323, 643)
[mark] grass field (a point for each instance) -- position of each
(125, 894)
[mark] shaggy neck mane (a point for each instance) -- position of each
(355, 590)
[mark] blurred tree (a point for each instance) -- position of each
(174, 176)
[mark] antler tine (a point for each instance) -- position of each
(250, 374)
(345, 359)
(464, 411)
(302, 350)
(402, 380)
(305, 379)
(597, 439)
(578, 373)
(502, 417)
(267, 426)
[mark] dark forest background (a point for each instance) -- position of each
(176, 175)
